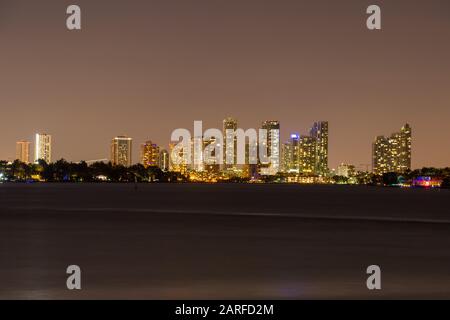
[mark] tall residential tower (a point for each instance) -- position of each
(229, 143)
(392, 154)
(149, 154)
(121, 149)
(272, 146)
(319, 132)
(23, 151)
(43, 147)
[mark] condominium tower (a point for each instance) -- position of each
(43, 147)
(272, 145)
(319, 133)
(229, 143)
(392, 154)
(149, 154)
(23, 151)
(307, 154)
(121, 150)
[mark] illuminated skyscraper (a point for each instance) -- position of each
(121, 150)
(290, 154)
(295, 153)
(23, 151)
(197, 146)
(286, 152)
(230, 143)
(149, 154)
(273, 146)
(250, 169)
(381, 157)
(211, 163)
(43, 147)
(392, 154)
(307, 155)
(319, 132)
(404, 149)
(177, 158)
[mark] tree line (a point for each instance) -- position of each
(64, 171)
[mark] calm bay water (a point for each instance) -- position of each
(188, 241)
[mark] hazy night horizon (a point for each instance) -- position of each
(144, 68)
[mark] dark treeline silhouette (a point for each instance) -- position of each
(63, 171)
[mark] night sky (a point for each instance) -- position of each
(144, 68)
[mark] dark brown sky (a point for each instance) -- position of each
(144, 68)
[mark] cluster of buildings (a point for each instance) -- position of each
(301, 155)
(42, 149)
(393, 153)
(303, 158)
(151, 155)
(307, 154)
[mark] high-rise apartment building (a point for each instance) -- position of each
(381, 157)
(392, 154)
(286, 156)
(197, 146)
(307, 155)
(149, 154)
(177, 158)
(272, 146)
(290, 154)
(43, 147)
(211, 148)
(319, 132)
(250, 169)
(229, 143)
(121, 151)
(23, 151)
(404, 149)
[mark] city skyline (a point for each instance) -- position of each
(132, 71)
(307, 154)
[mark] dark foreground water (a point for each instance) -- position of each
(190, 241)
